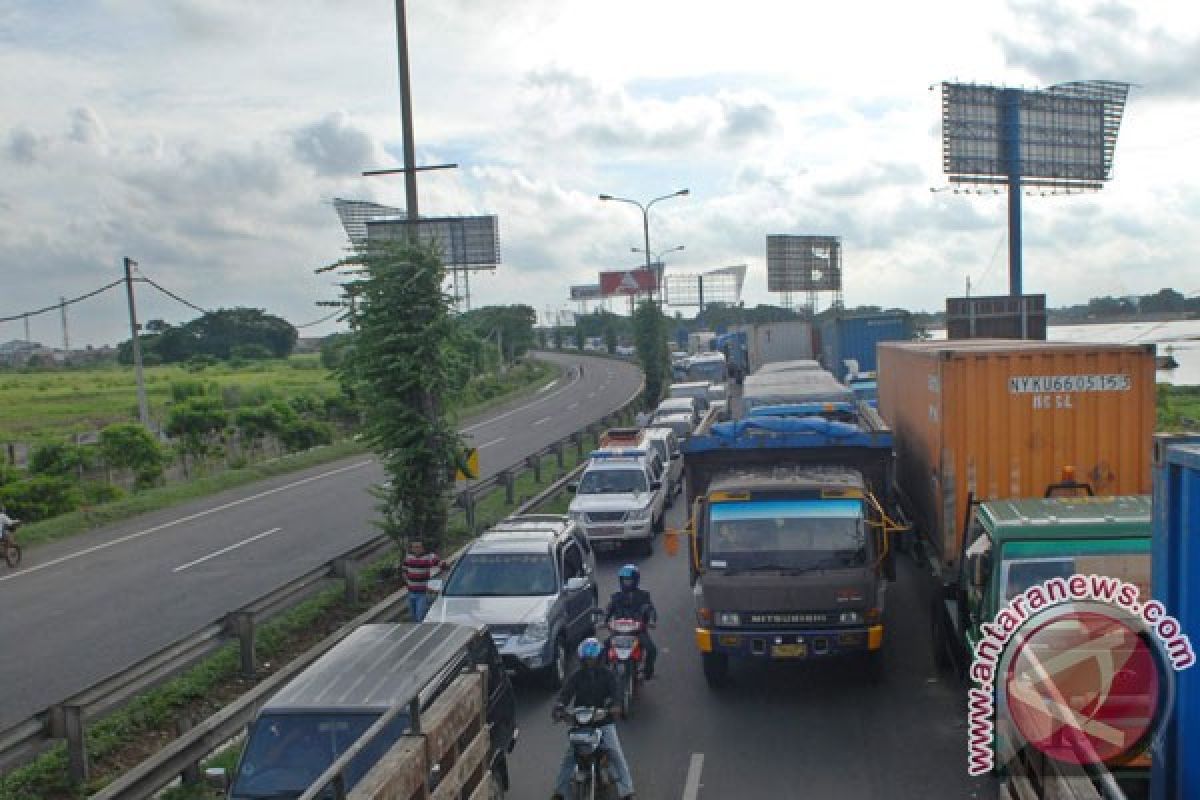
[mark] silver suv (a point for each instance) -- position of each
(621, 498)
(532, 581)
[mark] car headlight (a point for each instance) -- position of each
(536, 632)
(641, 515)
(850, 618)
(729, 619)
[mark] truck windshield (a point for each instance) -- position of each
(286, 753)
(787, 534)
(1020, 574)
(502, 575)
(613, 481)
(711, 371)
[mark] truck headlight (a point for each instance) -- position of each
(536, 632)
(850, 618)
(729, 619)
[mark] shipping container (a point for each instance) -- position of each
(996, 419)
(779, 341)
(997, 317)
(853, 338)
(1175, 568)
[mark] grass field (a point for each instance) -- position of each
(40, 405)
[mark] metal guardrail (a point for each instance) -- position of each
(65, 721)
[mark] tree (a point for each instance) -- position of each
(195, 421)
(399, 370)
(610, 340)
(579, 338)
(512, 324)
(650, 338)
(558, 338)
(58, 459)
(130, 446)
(215, 333)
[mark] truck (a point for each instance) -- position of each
(1012, 545)
(848, 341)
(766, 388)
(979, 420)
(768, 342)
(788, 540)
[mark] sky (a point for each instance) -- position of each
(206, 139)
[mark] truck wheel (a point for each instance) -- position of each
(556, 673)
(716, 669)
(646, 547)
(937, 633)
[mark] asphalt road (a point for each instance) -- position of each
(813, 731)
(81, 609)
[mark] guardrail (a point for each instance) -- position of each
(65, 721)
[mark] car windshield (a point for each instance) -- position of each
(613, 481)
(787, 534)
(288, 752)
(1020, 574)
(502, 575)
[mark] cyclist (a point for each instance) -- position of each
(6, 522)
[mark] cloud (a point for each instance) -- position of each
(25, 146)
(871, 178)
(1059, 42)
(747, 120)
(333, 147)
(86, 127)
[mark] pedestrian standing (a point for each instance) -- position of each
(419, 567)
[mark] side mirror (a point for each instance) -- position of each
(217, 778)
(655, 486)
(572, 487)
(576, 584)
(435, 585)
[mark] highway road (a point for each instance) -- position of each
(83, 608)
(816, 730)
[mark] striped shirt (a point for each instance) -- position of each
(419, 569)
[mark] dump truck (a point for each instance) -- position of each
(788, 539)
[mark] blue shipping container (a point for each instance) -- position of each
(855, 338)
(1176, 584)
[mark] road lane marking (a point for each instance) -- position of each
(691, 789)
(590, 396)
(225, 550)
(573, 406)
(485, 422)
(181, 520)
(543, 420)
(492, 442)
(547, 387)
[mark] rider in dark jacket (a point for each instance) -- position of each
(633, 602)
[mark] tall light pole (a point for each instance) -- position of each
(645, 209)
(662, 269)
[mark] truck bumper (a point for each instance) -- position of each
(791, 644)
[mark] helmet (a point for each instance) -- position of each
(629, 576)
(590, 649)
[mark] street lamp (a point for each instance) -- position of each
(646, 226)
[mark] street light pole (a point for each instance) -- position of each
(645, 209)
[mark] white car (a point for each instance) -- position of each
(684, 425)
(695, 407)
(619, 500)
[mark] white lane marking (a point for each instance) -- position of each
(543, 420)
(691, 789)
(605, 386)
(485, 422)
(492, 442)
(573, 406)
(225, 550)
(547, 387)
(181, 520)
(590, 396)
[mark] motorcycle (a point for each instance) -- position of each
(11, 550)
(594, 777)
(626, 658)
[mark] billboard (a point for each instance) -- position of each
(722, 285)
(804, 263)
(466, 242)
(586, 291)
(627, 282)
(1065, 135)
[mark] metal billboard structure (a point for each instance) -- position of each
(1062, 138)
(810, 264)
(721, 285)
(586, 293)
(467, 244)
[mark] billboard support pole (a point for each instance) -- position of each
(1012, 140)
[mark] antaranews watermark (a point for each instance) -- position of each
(1078, 667)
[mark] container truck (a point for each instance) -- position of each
(790, 387)
(979, 420)
(848, 342)
(778, 341)
(788, 540)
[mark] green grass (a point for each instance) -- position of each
(53, 404)
(1178, 408)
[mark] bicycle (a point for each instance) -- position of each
(12, 550)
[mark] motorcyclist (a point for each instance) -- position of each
(633, 602)
(6, 522)
(593, 686)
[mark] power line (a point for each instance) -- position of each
(62, 303)
(325, 318)
(171, 294)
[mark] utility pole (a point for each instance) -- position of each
(27, 339)
(406, 121)
(62, 305)
(143, 409)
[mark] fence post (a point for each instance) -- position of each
(468, 504)
(577, 440)
(347, 570)
(191, 773)
(560, 454)
(509, 478)
(241, 625)
(535, 463)
(77, 760)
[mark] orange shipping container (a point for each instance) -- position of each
(998, 419)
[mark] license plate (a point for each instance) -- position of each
(789, 650)
(602, 532)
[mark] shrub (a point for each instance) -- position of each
(182, 390)
(94, 493)
(250, 352)
(130, 446)
(9, 474)
(58, 459)
(40, 497)
(303, 434)
(198, 363)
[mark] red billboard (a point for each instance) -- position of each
(625, 282)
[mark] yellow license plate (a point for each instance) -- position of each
(789, 651)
